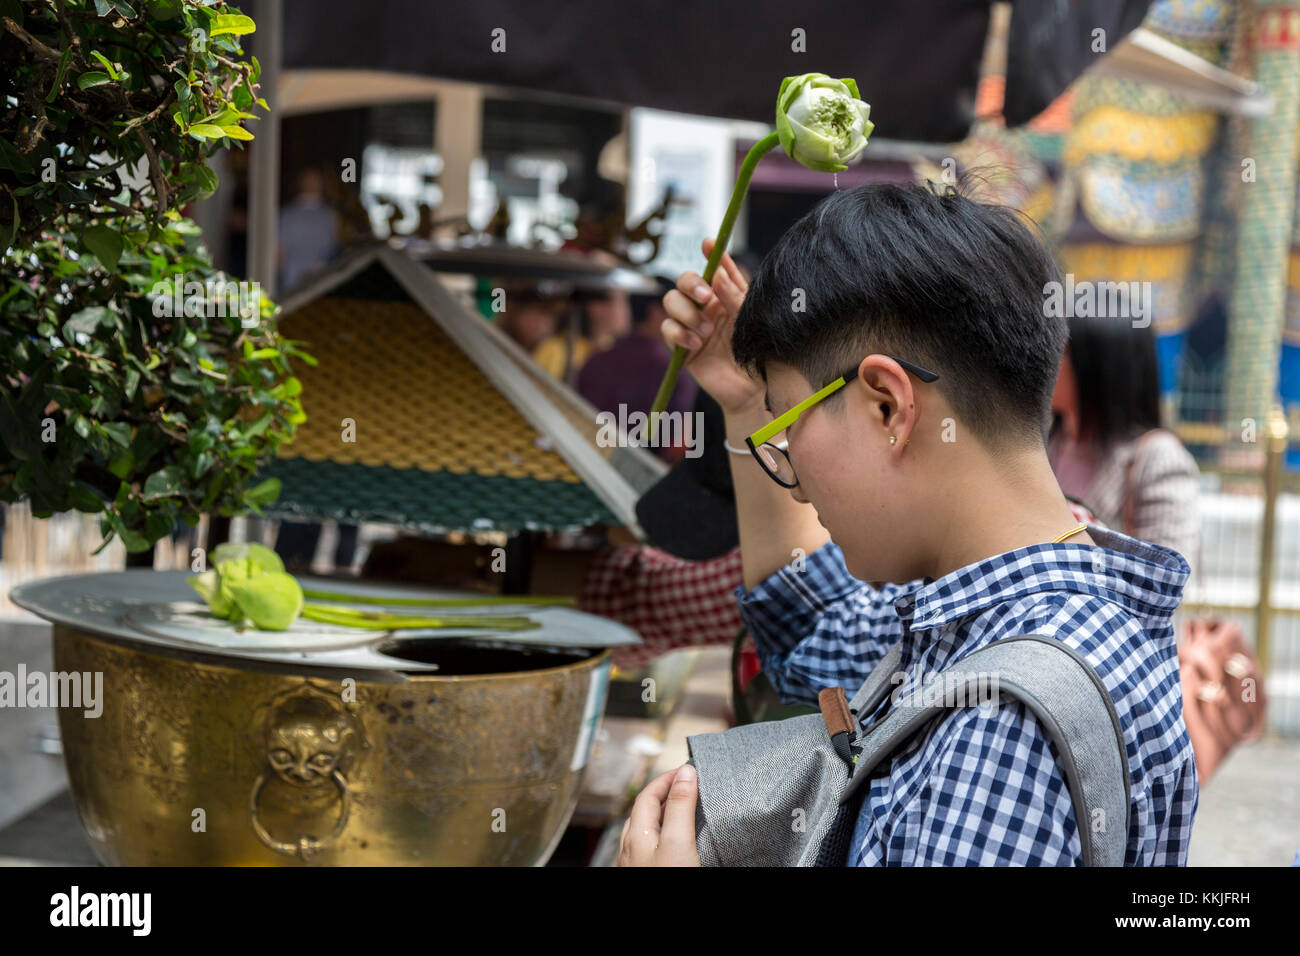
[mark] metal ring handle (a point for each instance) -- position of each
(306, 845)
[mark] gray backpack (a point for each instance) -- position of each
(788, 793)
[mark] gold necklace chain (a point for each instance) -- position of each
(1072, 531)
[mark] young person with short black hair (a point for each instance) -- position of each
(900, 334)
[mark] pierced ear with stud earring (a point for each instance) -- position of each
(893, 439)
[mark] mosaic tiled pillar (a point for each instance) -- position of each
(1257, 312)
(1137, 154)
(1217, 249)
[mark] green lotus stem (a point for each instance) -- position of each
(756, 152)
(376, 621)
(485, 601)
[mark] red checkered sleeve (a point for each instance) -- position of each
(669, 601)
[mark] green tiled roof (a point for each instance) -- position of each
(403, 427)
(431, 501)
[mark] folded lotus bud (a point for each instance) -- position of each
(821, 122)
(272, 600)
(208, 584)
(259, 554)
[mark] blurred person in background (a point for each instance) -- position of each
(308, 231)
(564, 352)
(530, 317)
(629, 371)
(593, 322)
(591, 325)
(1107, 446)
(607, 313)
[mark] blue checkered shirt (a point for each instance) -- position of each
(981, 786)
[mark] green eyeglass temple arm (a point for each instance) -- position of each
(784, 421)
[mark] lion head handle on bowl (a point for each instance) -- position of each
(311, 741)
(305, 748)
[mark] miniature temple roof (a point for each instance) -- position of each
(423, 414)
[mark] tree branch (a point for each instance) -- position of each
(152, 114)
(37, 47)
(156, 174)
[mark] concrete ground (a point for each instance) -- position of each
(1249, 814)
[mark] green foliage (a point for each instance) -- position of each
(135, 380)
(101, 85)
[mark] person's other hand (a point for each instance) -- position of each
(706, 332)
(660, 831)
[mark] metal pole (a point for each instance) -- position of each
(458, 138)
(264, 171)
(1275, 451)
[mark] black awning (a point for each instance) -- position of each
(916, 61)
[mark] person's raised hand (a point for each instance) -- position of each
(706, 332)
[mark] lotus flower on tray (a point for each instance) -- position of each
(248, 585)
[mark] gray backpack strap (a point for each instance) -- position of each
(1065, 694)
(877, 685)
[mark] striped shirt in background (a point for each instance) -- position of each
(1165, 487)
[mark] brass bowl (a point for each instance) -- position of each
(216, 758)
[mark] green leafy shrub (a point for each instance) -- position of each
(136, 381)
